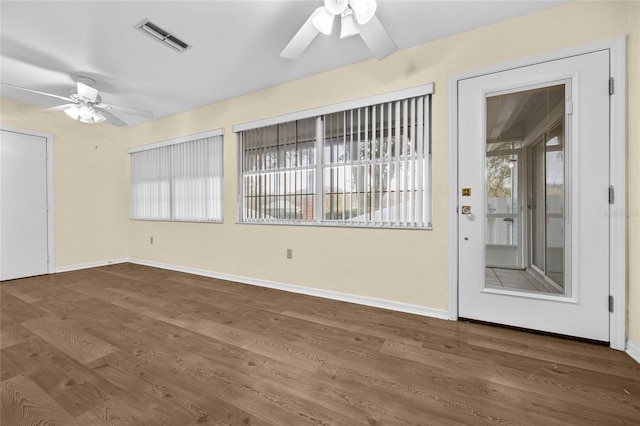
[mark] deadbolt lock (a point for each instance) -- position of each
(466, 210)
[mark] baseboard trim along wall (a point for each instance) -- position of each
(90, 265)
(633, 349)
(343, 297)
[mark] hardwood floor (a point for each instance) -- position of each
(133, 345)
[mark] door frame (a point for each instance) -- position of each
(50, 192)
(617, 176)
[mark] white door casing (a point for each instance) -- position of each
(26, 199)
(584, 312)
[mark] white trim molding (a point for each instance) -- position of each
(89, 265)
(618, 180)
(308, 291)
(633, 349)
(617, 47)
(325, 294)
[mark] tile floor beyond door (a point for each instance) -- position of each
(524, 280)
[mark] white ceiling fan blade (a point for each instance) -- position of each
(112, 118)
(302, 39)
(377, 38)
(126, 110)
(64, 98)
(61, 107)
(87, 92)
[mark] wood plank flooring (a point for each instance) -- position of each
(133, 345)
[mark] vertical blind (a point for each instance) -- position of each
(367, 166)
(179, 182)
(376, 165)
(279, 172)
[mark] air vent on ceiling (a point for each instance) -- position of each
(162, 36)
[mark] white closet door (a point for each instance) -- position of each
(23, 205)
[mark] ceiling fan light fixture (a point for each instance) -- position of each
(85, 112)
(73, 112)
(348, 25)
(336, 7)
(86, 105)
(323, 21)
(98, 117)
(363, 9)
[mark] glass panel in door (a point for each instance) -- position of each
(525, 191)
(554, 205)
(502, 211)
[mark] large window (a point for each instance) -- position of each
(178, 180)
(362, 163)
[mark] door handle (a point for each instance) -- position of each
(466, 210)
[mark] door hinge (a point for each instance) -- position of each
(611, 304)
(611, 86)
(612, 194)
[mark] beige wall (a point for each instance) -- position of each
(396, 265)
(403, 266)
(90, 177)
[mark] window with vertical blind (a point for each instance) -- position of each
(179, 179)
(362, 163)
(280, 172)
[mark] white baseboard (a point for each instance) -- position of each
(90, 265)
(633, 349)
(326, 294)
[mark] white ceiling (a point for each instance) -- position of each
(235, 46)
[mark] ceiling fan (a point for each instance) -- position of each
(84, 104)
(356, 17)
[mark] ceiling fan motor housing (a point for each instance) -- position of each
(336, 6)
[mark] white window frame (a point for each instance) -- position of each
(320, 112)
(172, 215)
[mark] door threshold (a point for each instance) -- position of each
(538, 332)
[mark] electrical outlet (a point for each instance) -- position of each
(150, 240)
(289, 253)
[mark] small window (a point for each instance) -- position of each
(367, 165)
(178, 180)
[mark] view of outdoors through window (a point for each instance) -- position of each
(372, 163)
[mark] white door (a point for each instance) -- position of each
(533, 196)
(23, 205)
